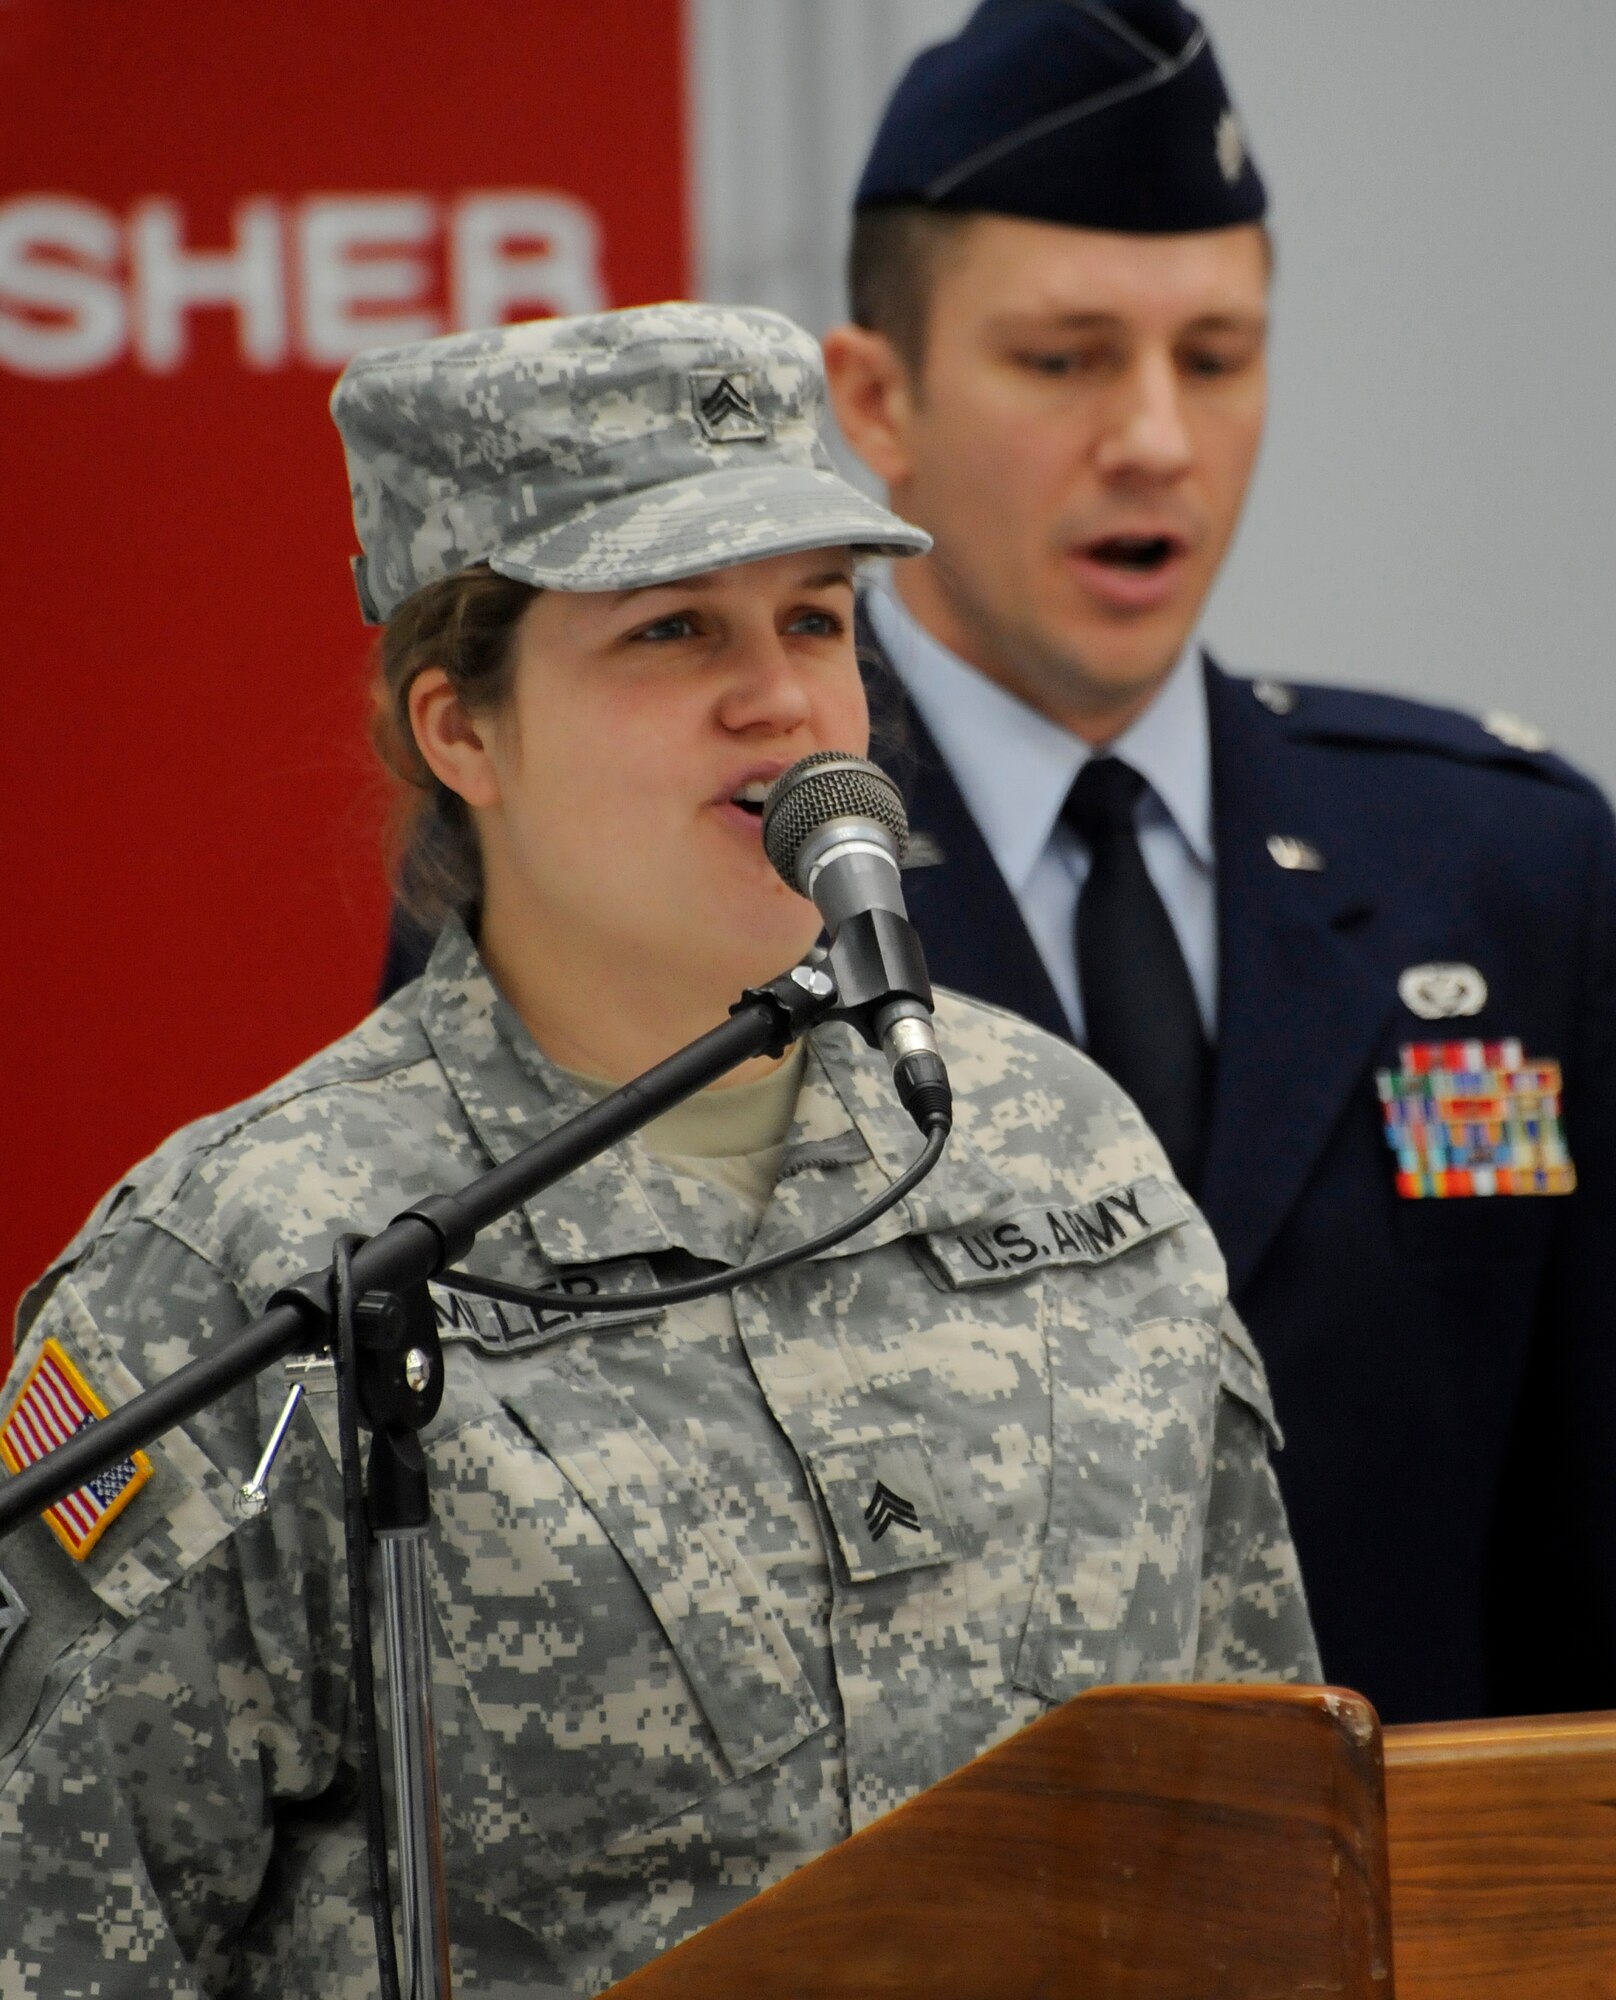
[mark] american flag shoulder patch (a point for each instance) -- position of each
(54, 1402)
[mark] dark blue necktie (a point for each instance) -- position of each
(1139, 1009)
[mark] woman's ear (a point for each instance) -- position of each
(448, 738)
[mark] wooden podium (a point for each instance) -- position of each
(1206, 1843)
(1503, 1858)
(1155, 1843)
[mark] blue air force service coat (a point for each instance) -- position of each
(1444, 1368)
(710, 1588)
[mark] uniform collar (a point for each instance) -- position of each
(511, 1095)
(1014, 767)
(849, 1138)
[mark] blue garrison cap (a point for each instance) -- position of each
(1099, 116)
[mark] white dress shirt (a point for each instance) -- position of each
(1014, 768)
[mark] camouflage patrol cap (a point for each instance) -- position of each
(602, 452)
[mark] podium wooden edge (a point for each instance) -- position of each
(1349, 1819)
(1502, 1839)
(1409, 1744)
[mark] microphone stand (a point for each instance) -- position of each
(398, 1380)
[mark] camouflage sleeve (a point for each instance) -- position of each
(136, 1828)
(1254, 1617)
(175, 1706)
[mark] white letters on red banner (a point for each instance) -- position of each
(312, 281)
(204, 213)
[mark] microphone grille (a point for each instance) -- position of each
(831, 784)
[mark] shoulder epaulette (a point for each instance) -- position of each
(389, 1039)
(1364, 717)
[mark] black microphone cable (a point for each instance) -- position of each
(720, 1281)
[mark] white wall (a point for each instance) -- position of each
(787, 97)
(1435, 511)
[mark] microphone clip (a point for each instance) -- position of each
(883, 992)
(876, 961)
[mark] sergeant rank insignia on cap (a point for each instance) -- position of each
(724, 406)
(1474, 1118)
(53, 1404)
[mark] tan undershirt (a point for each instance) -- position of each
(733, 1138)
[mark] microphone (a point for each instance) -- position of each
(835, 830)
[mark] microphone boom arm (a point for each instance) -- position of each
(370, 1307)
(418, 1244)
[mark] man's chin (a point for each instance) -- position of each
(1083, 677)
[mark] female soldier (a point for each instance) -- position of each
(682, 1643)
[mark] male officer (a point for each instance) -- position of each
(1347, 951)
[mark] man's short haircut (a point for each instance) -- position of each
(892, 261)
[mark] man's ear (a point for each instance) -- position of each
(449, 739)
(874, 400)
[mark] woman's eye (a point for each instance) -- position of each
(818, 624)
(678, 625)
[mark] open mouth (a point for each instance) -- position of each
(1138, 555)
(750, 798)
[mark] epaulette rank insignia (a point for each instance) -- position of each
(53, 1403)
(1474, 1118)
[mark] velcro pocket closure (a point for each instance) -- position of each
(1241, 1372)
(885, 1506)
(1099, 1481)
(735, 1654)
(613, 1656)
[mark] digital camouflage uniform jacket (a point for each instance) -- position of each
(683, 1643)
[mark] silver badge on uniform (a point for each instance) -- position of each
(1231, 146)
(724, 405)
(1287, 851)
(1442, 992)
(1275, 696)
(1514, 730)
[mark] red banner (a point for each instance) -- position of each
(203, 213)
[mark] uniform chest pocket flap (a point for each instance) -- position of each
(884, 1506)
(1110, 1438)
(614, 1641)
